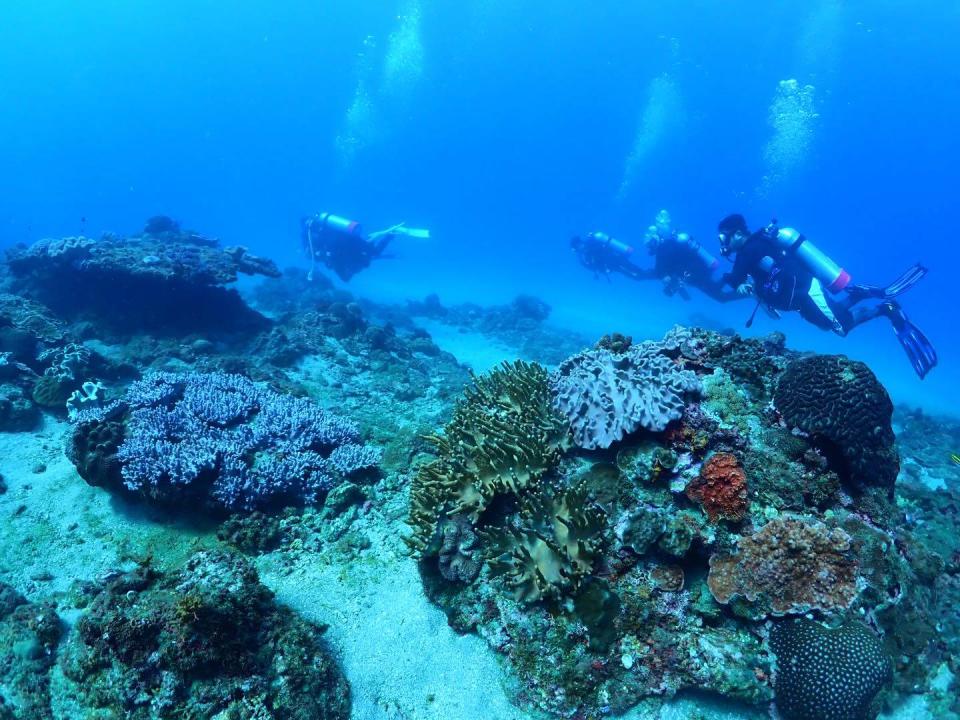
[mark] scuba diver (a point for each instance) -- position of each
(679, 260)
(340, 244)
(786, 272)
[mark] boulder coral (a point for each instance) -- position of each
(827, 674)
(847, 413)
(788, 566)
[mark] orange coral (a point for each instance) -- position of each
(721, 488)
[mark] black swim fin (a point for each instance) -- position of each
(921, 352)
(899, 286)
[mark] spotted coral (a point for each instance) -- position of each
(503, 437)
(824, 674)
(788, 566)
(721, 488)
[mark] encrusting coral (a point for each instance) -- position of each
(788, 566)
(503, 437)
(721, 488)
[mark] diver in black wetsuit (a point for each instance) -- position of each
(679, 260)
(786, 272)
(339, 244)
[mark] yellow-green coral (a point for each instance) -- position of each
(504, 436)
(552, 548)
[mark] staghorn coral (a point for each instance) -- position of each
(824, 674)
(219, 439)
(721, 488)
(551, 547)
(503, 437)
(847, 412)
(788, 566)
(606, 395)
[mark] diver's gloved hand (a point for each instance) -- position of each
(745, 289)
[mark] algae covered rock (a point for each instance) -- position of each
(29, 634)
(205, 641)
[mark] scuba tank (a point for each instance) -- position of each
(602, 238)
(833, 277)
(709, 261)
(334, 223)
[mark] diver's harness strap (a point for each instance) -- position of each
(773, 230)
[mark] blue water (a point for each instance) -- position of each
(504, 127)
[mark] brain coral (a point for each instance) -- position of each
(788, 566)
(827, 674)
(721, 488)
(846, 411)
(606, 395)
(503, 437)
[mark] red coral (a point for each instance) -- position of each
(721, 488)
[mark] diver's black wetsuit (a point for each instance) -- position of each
(782, 282)
(678, 259)
(345, 254)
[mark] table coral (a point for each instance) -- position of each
(721, 488)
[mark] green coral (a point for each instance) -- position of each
(504, 436)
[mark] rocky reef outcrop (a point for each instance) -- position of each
(696, 498)
(207, 640)
(170, 279)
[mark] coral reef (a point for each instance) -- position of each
(504, 436)
(29, 634)
(172, 280)
(606, 396)
(218, 440)
(788, 566)
(721, 488)
(844, 408)
(825, 674)
(205, 641)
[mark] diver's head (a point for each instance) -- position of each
(652, 239)
(732, 233)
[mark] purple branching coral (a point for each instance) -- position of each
(239, 443)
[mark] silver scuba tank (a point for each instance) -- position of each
(833, 277)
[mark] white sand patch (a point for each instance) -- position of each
(58, 529)
(402, 659)
(475, 350)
